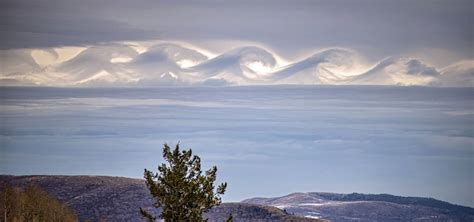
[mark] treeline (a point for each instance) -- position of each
(32, 204)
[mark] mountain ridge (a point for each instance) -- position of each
(339, 207)
(118, 198)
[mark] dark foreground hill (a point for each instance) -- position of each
(368, 207)
(119, 199)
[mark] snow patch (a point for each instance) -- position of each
(312, 217)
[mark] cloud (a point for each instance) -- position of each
(458, 74)
(368, 134)
(45, 24)
(236, 65)
(416, 67)
(122, 64)
(376, 28)
(398, 71)
(307, 70)
(17, 61)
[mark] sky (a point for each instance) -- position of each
(150, 55)
(37, 38)
(376, 28)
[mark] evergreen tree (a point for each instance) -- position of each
(181, 189)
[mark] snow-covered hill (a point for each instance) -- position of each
(367, 207)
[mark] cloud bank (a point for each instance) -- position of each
(132, 64)
(265, 140)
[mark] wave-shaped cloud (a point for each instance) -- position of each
(96, 64)
(398, 71)
(313, 70)
(235, 66)
(175, 64)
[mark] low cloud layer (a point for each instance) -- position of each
(265, 140)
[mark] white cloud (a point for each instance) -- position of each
(122, 64)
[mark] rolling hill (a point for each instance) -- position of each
(119, 198)
(367, 207)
